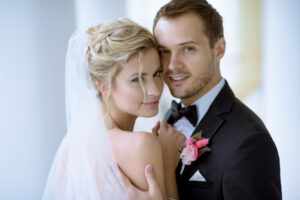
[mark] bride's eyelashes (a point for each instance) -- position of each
(158, 73)
(136, 79)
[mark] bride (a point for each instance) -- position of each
(113, 76)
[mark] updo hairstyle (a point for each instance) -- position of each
(111, 45)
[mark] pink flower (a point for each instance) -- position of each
(189, 154)
(202, 143)
(193, 149)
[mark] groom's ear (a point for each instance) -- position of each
(103, 88)
(219, 48)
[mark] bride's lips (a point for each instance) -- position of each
(152, 103)
(178, 79)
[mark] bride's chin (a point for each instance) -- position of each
(149, 114)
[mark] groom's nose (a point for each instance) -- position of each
(175, 62)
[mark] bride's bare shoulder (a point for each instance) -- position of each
(130, 141)
(145, 138)
(134, 151)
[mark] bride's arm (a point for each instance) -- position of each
(171, 142)
(133, 152)
(152, 194)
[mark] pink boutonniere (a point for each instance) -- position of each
(194, 148)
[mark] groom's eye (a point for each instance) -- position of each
(188, 48)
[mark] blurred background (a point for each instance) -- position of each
(261, 64)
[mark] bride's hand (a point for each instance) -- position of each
(172, 142)
(134, 193)
(156, 128)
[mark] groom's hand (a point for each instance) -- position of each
(153, 193)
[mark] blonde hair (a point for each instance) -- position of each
(111, 45)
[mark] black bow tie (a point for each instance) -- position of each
(190, 112)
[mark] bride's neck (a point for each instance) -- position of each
(121, 120)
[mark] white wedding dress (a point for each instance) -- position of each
(84, 167)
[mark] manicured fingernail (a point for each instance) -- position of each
(150, 169)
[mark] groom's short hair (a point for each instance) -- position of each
(210, 16)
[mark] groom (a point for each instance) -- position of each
(243, 162)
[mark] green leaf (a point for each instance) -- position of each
(197, 136)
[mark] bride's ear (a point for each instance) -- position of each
(103, 88)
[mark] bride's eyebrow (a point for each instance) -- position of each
(136, 74)
(145, 73)
(161, 47)
(159, 68)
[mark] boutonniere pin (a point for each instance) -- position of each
(194, 148)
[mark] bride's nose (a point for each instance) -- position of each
(154, 88)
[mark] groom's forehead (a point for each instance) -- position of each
(185, 19)
(178, 30)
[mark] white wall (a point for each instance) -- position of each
(281, 87)
(33, 44)
(32, 114)
(91, 12)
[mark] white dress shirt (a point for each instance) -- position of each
(203, 103)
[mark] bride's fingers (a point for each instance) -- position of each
(164, 125)
(156, 128)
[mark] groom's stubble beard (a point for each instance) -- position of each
(199, 82)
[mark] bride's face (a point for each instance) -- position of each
(127, 94)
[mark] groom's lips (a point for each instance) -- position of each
(178, 79)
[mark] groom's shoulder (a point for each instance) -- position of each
(242, 124)
(245, 117)
(243, 127)
(235, 112)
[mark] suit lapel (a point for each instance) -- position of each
(212, 120)
(209, 125)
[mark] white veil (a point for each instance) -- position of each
(84, 166)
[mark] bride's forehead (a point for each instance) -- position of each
(147, 63)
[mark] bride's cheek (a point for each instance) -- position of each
(135, 92)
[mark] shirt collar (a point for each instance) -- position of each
(204, 102)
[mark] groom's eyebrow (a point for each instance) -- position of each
(181, 44)
(188, 42)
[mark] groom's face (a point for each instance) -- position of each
(190, 64)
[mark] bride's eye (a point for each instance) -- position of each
(158, 73)
(163, 51)
(136, 79)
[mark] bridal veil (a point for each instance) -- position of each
(84, 166)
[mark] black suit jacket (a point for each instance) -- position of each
(243, 163)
